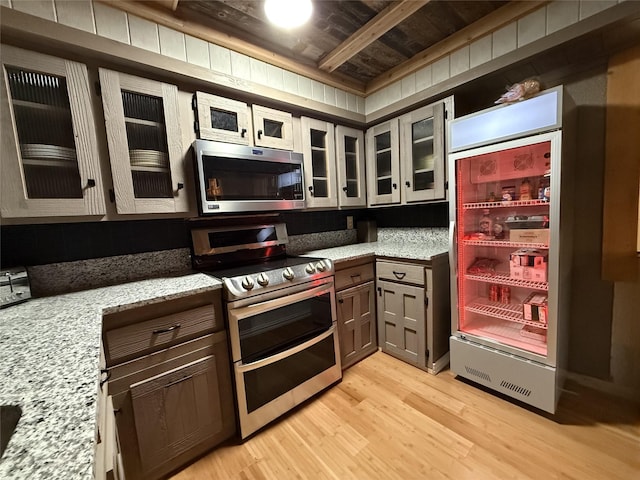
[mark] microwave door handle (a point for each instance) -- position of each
(287, 353)
(251, 310)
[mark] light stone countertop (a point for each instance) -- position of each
(49, 366)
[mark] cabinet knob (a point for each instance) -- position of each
(311, 190)
(243, 132)
(395, 186)
(180, 185)
(259, 134)
(407, 183)
(341, 300)
(91, 183)
(344, 189)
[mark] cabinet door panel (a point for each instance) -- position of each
(383, 164)
(422, 148)
(176, 410)
(401, 319)
(272, 128)
(50, 157)
(145, 144)
(350, 167)
(222, 119)
(318, 148)
(357, 328)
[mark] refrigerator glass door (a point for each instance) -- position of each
(503, 215)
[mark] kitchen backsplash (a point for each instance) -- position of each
(63, 277)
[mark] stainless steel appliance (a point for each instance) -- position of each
(281, 316)
(14, 286)
(239, 178)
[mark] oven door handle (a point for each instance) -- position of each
(244, 312)
(287, 353)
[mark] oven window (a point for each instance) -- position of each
(242, 179)
(265, 334)
(268, 383)
(221, 239)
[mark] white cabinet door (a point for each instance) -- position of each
(222, 119)
(145, 144)
(49, 161)
(422, 154)
(352, 189)
(272, 128)
(318, 148)
(383, 163)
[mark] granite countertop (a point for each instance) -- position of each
(49, 365)
(409, 244)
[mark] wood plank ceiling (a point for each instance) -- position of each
(360, 45)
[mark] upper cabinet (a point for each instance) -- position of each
(334, 165)
(406, 157)
(226, 120)
(422, 154)
(145, 144)
(352, 189)
(319, 152)
(50, 163)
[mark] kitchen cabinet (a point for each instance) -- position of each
(406, 157)
(142, 122)
(319, 153)
(413, 312)
(227, 120)
(170, 383)
(334, 164)
(50, 162)
(355, 296)
(350, 160)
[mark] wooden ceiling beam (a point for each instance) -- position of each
(169, 4)
(370, 32)
(486, 25)
(164, 17)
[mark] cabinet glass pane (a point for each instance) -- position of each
(318, 139)
(422, 154)
(147, 140)
(383, 164)
(45, 134)
(224, 120)
(320, 188)
(384, 186)
(383, 141)
(273, 129)
(319, 163)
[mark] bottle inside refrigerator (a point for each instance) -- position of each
(510, 252)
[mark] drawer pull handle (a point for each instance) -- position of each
(355, 275)
(166, 330)
(105, 379)
(399, 275)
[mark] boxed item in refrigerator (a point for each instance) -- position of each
(530, 235)
(535, 307)
(528, 264)
(534, 332)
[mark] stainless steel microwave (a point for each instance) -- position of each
(238, 178)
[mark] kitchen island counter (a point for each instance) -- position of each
(49, 365)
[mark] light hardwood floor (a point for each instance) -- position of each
(389, 420)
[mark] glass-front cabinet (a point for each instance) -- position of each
(222, 119)
(383, 163)
(272, 128)
(145, 144)
(318, 149)
(422, 151)
(50, 161)
(352, 190)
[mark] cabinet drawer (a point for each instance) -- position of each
(401, 272)
(353, 276)
(146, 336)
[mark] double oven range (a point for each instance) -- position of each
(281, 317)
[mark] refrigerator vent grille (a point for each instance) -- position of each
(478, 373)
(515, 388)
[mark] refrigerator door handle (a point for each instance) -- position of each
(452, 243)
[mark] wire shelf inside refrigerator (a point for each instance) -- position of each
(508, 333)
(513, 312)
(505, 279)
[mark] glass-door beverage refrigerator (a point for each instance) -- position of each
(510, 212)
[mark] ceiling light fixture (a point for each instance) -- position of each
(288, 13)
